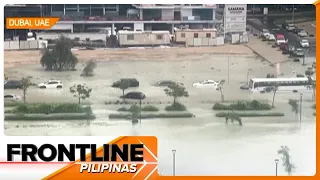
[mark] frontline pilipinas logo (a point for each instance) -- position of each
(31, 23)
(129, 157)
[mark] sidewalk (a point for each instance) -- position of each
(263, 49)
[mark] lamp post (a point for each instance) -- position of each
(292, 13)
(174, 162)
(140, 111)
(249, 70)
(276, 161)
(300, 108)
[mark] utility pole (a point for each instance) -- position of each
(300, 108)
(293, 14)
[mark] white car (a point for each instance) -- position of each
(290, 27)
(264, 33)
(271, 37)
(304, 43)
(207, 83)
(51, 84)
(12, 98)
(302, 33)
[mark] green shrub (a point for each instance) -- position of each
(122, 109)
(12, 104)
(249, 114)
(300, 75)
(176, 107)
(314, 114)
(149, 116)
(243, 105)
(314, 106)
(43, 108)
(61, 116)
(150, 108)
(135, 108)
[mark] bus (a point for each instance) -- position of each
(284, 84)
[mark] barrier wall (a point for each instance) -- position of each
(197, 42)
(24, 45)
(80, 36)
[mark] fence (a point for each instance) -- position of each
(197, 42)
(25, 45)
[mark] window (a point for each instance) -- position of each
(208, 35)
(195, 35)
(183, 35)
(159, 37)
(53, 82)
(130, 37)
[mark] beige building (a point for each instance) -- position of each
(182, 35)
(143, 38)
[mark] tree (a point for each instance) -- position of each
(220, 87)
(274, 89)
(60, 56)
(88, 69)
(294, 107)
(286, 159)
(313, 86)
(80, 91)
(124, 84)
(25, 86)
(176, 90)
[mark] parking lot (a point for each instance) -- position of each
(203, 130)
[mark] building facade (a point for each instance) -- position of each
(139, 38)
(182, 36)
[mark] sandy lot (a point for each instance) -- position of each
(12, 58)
(308, 27)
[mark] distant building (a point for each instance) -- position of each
(139, 38)
(182, 35)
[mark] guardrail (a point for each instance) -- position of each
(25, 45)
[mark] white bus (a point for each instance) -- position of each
(283, 84)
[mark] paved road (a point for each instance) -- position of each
(293, 39)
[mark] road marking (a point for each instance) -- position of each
(313, 25)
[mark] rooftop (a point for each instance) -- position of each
(143, 32)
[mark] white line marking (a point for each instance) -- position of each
(149, 151)
(151, 172)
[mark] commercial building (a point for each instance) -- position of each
(79, 17)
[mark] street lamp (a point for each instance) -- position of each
(174, 162)
(292, 13)
(300, 107)
(276, 161)
(249, 70)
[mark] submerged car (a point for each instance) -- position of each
(134, 95)
(13, 84)
(50, 84)
(164, 83)
(132, 81)
(207, 83)
(12, 98)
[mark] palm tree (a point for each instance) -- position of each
(286, 159)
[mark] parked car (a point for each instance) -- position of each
(164, 83)
(207, 83)
(13, 84)
(297, 30)
(290, 27)
(133, 82)
(134, 95)
(271, 37)
(264, 33)
(12, 98)
(51, 84)
(302, 33)
(280, 39)
(298, 53)
(304, 43)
